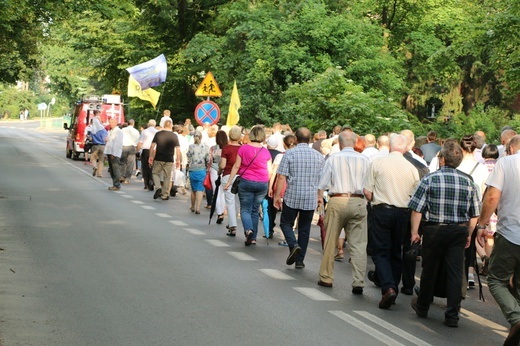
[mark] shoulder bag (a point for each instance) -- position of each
(236, 182)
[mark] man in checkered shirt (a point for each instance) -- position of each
(450, 203)
(301, 168)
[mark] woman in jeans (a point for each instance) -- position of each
(253, 164)
(227, 160)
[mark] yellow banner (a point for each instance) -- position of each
(134, 90)
(233, 116)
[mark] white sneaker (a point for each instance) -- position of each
(471, 280)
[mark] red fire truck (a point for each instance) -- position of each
(109, 106)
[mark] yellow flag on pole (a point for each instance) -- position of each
(134, 90)
(233, 116)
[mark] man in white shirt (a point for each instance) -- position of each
(143, 146)
(113, 151)
(370, 145)
(504, 193)
(166, 116)
(130, 139)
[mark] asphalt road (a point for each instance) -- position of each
(80, 265)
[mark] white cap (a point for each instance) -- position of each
(272, 142)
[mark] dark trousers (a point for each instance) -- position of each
(443, 243)
(271, 211)
(146, 170)
(115, 169)
(388, 227)
(287, 219)
(409, 264)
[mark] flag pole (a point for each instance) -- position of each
(159, 103)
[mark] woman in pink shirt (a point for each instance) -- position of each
(253, 164)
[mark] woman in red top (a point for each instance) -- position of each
(227, 160)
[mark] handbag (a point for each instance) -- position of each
(207, 181)
(236, 182)
(234, 187)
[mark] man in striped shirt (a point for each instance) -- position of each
(449, 201)
(343, 176)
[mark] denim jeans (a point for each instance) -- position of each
(251, 194)
(287, 219)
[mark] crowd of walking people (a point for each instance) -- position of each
(448, 201)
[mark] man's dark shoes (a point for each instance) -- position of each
(94, 172)
(419, 312)
(513, 339)
(407, 291)
(157, 194)
(452, 323)
(373, 277)
(388, 298)
(299, 265)
(295, 251)
(325, 284)
(114, 188)
(357, 290)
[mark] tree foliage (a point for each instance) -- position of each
(378, 65)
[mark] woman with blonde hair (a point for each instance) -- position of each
(253, 164)
(227, 161)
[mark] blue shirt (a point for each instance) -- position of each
(99, 137)
(302, 168)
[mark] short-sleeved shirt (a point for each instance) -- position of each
(505, 177)
(258, 158)
(301, 166)
(446, 196)
(392, 180)
(146, 137)
(344, 172)
(166, 142)
(198, 157)
(229, 152)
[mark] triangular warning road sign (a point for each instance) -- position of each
(209, 87)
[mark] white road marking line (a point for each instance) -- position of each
(162, 215)
(148, 207)
(178, 223)
(242, 256)
(194, 231)
(127, 196)
(137, 202)
(392, 328)
(315, 294)
(217, 243)
(497, 328)
(366, 328)
(276, 274)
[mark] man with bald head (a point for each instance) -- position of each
(370, 145)
(506, 135)
(343, 176)
(383, 147)
(411, 143)
(388, 186)
(300, 168)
